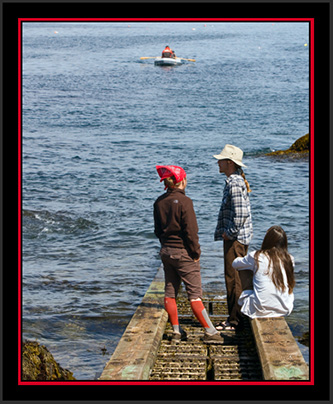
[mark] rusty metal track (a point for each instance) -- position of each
(192, 360)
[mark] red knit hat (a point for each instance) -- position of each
(169, 171)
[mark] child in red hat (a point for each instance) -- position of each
(177, 229)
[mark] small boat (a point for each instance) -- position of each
(167, 61)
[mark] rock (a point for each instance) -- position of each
(298, 149)
(305, 339)
(301, 145)
(39, 364)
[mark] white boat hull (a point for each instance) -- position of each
(167, 61)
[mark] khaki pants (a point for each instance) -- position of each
(236, 281)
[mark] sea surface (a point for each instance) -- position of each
(96, 121)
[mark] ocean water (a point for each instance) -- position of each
(96, 121)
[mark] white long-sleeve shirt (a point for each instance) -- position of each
(265, 300)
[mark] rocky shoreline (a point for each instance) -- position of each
(298, 150)
(38, 364)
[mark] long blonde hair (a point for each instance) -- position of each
(241, 172)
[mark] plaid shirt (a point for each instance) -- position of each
(235, 214)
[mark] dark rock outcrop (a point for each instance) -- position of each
(39, 364)
(298, 149)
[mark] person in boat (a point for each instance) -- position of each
(273, 277)
(177, 230)
(234, 227)
(168, 53)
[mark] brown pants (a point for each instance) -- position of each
(179, 266)
(236, 281)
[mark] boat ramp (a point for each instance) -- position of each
(264, 350)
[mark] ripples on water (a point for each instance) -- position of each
(96, 121)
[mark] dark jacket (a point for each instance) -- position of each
(175, 222)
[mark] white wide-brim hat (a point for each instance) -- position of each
(232, 153)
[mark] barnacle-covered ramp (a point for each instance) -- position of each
(264, 350)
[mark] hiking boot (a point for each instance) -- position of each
(213, 338)
(177, 337)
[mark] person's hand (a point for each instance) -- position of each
(197, 260)
(225, 237)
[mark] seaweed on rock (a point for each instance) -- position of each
(38, 364)
(300, 148)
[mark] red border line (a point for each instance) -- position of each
(311, 308)
(171, 383)
(165, 19)
(312, 204)
(19, 197)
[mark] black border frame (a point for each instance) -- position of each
(11, 12)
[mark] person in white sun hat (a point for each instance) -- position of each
(234, 227)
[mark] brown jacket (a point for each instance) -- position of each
(175, 222)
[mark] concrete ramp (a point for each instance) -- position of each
(137, 349)
(280, 356)
(264, 350)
